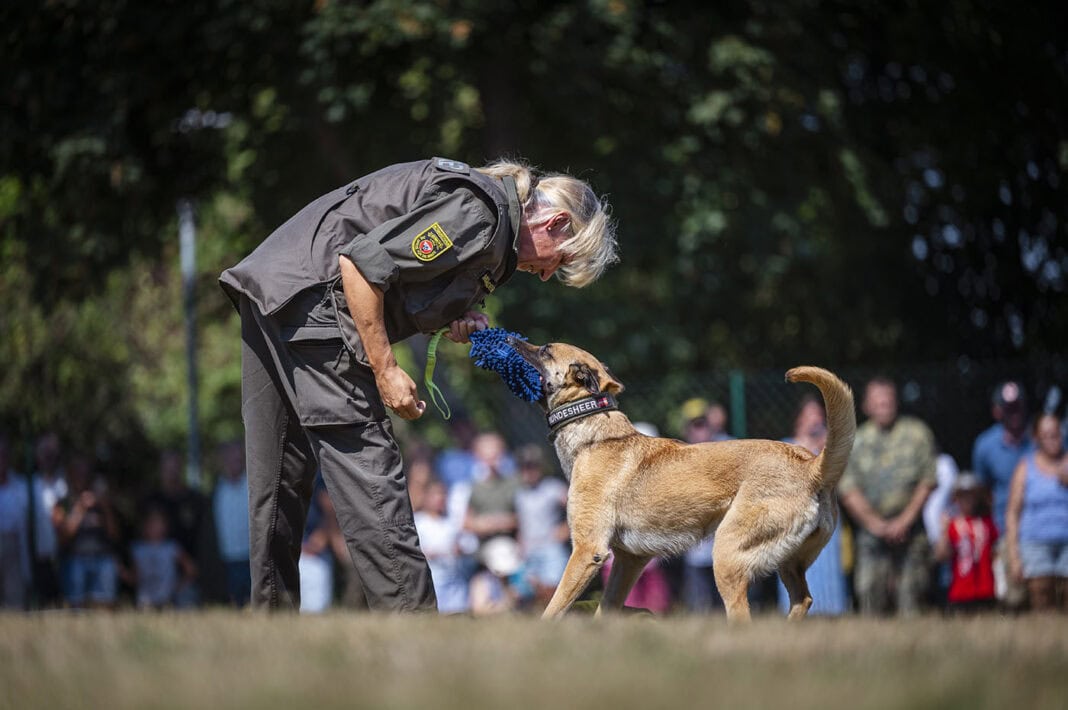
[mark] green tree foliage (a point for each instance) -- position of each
(831, 182)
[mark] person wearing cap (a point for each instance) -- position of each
(967, 543)
(408, 249)
(890, 473)
(998, 449)
(995, 454)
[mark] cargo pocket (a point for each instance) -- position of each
(330, 387)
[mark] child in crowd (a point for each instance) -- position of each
(500, 586)
(967, 543)
(161, 566)
(439, 537)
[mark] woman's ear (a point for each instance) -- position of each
(558, 222)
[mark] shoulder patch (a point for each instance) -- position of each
(431, 243)
(453, 166)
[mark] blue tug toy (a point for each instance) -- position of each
(490, 351)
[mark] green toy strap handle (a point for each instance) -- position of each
(436, 395)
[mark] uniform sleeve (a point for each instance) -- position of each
(435, 237)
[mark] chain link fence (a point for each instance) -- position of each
(953, 398)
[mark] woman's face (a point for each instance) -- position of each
(1048, 436)
(539, 242)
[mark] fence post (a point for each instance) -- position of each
(737, 391)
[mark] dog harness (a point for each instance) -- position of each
(600, 402)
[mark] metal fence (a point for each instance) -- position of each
(953, 398)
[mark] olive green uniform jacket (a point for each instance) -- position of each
(435, 237)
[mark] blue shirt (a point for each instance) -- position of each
(1044, 514)
(993, 461)
(231, 519)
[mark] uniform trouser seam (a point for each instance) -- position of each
(272, 573)
(407, 605)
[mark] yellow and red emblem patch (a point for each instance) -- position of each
(431, 243)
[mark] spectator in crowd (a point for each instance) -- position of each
(541, 512)
(941, 498)
(160, 566)
(89, 537)
(230, 507)
(14, 548)
(825, 577)
(49, 485)
(886, 483)
(458, 464)
(420, 472)
(995, 455)
(187, 515)
(967, 544)
(1037, 519)
(934, 510)
(491, 508)
(497, 588)
(316, 563)
(701, 422)
(439, 536)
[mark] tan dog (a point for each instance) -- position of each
(772, 505)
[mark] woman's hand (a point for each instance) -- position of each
(1015, 567)
(399, 393)
(460, 329)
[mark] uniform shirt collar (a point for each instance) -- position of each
(515, 214)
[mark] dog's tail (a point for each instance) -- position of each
(841, 421)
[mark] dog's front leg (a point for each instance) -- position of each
(585, 562)
(626, 568)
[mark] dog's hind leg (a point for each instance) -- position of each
(792, 570)
(792, 573)
(586, 560)
(755, 537)
(731, 568)
(626, 568)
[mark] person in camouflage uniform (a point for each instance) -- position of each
(890, 474)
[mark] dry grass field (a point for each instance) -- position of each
(220, 659)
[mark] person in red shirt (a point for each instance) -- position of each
(968, 545)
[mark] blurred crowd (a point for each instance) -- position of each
(916, 532)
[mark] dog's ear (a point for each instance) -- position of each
(585, 377)
(612, 384)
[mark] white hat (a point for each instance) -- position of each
(501, 556)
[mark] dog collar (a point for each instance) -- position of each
(600, 402)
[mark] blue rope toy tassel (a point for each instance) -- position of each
(490, 350)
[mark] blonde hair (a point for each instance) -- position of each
(592, 246)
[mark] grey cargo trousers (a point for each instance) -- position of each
(307, 405)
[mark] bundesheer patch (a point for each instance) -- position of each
(431, 243)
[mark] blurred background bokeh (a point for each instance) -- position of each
(867, 186)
